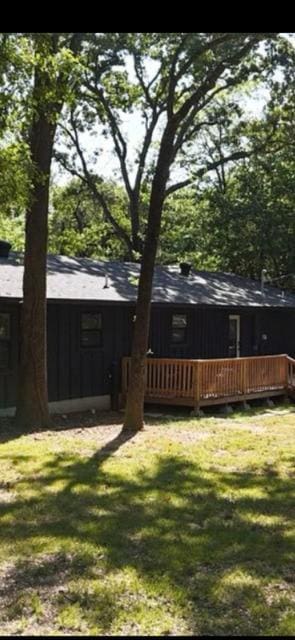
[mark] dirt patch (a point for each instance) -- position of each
(103, 427)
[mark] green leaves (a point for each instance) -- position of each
(77, 225)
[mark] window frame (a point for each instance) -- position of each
(91, 331)
(183, 329)
(237, 344)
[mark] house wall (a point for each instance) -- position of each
(8, 376)
(207, 335)
(75, 371)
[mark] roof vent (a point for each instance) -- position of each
(4, 249)
(185, 268)
(106, 281)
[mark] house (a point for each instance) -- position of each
(91, 307)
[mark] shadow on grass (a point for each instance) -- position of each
(218, 539)
(81, 420)
(154, 414)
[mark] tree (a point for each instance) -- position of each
(245, 219)
(53, 61)
(177, 102)
(77, 224)
(199, 68)
(14, 172)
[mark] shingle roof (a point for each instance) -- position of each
(82, 279)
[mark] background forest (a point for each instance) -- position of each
(237, 216)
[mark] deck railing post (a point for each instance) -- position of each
(244, 365)
(197, 386)
(288, 372)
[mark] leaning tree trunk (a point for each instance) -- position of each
(134, 414)
(32, 401)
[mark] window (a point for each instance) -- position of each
(179, 328)
(91, 330)
(234, 337)
(4, 340)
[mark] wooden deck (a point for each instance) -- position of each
(199, 383)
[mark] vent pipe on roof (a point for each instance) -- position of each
(4, 248)
(106, 282)
(185, 268)
(263, 280)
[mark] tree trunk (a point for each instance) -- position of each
(47, 101)
(134, 414)
(137, 244)
(32, 401)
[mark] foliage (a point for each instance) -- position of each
(154, 78)
(252, 225)
(77, 225)
(236, 226)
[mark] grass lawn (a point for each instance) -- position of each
(182, 529)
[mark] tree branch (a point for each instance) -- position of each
(89, 180)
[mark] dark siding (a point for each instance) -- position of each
(75, 371)
(247, 337)
(64, 360)
(279, 328)
(208, 332)
(53, 351)
(207, 335)
(8, 377)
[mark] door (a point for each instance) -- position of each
(234, 337)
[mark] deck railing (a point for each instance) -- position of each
(291, 373)
(200, 382)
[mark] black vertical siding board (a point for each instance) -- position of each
(159, 332)
(200, 335)
(53, 349)
(246, 332)
(8, 378)
(123, 320)
(64, 352)
(85, 373)
(91, 382)
(11, 381)
(108, 348)
(76, 354)
(279, 326)
(290, 332)
(118, 323)
(2, 391)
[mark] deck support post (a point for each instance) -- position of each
(269, 402)
(197, 413)
(227, 410)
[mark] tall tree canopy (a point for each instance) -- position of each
(182, 91)
(178, 103)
